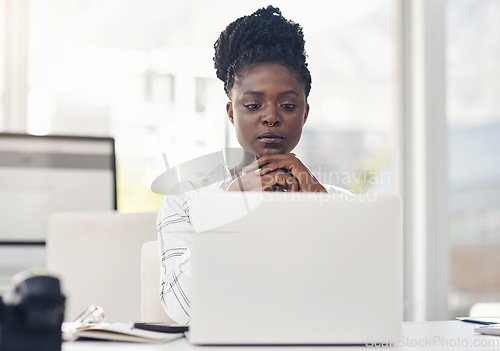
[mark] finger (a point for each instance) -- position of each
(273, 157)
(287, 164)
(261, 183)
(247, 182)
(264, 160)
(293, 183)
(252, 166)
(265, 182)
(270, 167)
(260, 170)
(285, 180)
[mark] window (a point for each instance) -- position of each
(136, 68)
(348, 136)
(473, 102)
(142, 72)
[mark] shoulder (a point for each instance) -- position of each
(181, 193)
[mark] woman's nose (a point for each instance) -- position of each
(270, 117)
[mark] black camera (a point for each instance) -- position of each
(31, 315)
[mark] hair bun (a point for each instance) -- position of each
(264, 36)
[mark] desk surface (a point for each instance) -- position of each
(446, 335)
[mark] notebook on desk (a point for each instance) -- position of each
(283, 268)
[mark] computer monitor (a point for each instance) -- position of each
(44, 174)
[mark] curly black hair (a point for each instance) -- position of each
(264, 36)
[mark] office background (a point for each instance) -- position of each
(405, 99)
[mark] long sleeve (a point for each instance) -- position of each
(173, 226)
(174, 229)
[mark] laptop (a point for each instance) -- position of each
(273, 268)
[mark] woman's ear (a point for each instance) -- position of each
(229, 110)
(306, 113)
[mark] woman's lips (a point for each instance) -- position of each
(271, 138)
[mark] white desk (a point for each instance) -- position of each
(448, 335)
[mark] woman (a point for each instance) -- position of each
(262, 62)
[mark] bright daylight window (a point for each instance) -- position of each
(142, 72)
(130, 69)
(473, 103)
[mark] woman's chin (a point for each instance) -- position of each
(270, 151)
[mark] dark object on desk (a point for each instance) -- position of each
(480, 320)
(32, 314)
(162, 327)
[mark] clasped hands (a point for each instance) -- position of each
(276, 172)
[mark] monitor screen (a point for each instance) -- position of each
(44, 174)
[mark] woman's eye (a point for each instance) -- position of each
(252, 107)
(288, 106)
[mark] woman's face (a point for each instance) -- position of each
(268, 108)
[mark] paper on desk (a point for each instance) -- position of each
(115, 332)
